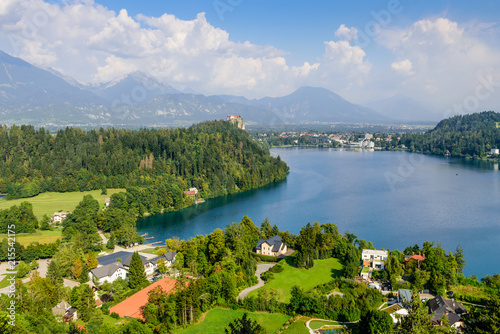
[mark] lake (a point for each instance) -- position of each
(394, 199)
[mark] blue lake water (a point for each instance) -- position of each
(394, 199)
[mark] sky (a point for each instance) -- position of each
(444, 54)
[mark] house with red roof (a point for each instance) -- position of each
(133, 305)
(417, 257)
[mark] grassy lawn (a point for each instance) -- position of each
(322, 272)
(217, 319)
(298, 327)
(48, 203)
(318, 324)
(106, 319)
(4, 283)
(43, 237)
(469, 290)
(150, 251)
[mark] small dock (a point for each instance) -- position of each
(144, 235)
(155, 243)
(149, 238)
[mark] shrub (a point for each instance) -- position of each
(115, 315)
(267, 276)
(278, 267)
(105, 309)
(266, 258)
(22, 269)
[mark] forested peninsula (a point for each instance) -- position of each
(215, 157)
(467, 136)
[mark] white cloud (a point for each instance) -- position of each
(93, 44)
(437, 60)
(441, 60)
(403, 67)
(346, 33)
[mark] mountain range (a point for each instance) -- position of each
(403, 108)
(29, 94)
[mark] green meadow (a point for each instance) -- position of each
(322, 272)
(50, 202)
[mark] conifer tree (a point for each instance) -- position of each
(136, 273)
(84, 276)
(85, 302)
(54, 274)
(244, 325)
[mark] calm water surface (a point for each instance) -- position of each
(394, 199)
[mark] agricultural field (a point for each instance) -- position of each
(42, 237)
(216, 320)
(50, 202)
(322, 272)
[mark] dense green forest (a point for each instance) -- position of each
(215, 157)
(471, 135)
(224, 264)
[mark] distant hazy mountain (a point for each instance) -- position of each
(134, 88)
(29, 94)
(188, 107)
(403, 108)
(317, 104)
(189, 90)
(72, 81)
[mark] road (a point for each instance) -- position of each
(43, 264)
(261, 268)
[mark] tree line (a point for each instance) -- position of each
(470, 136)
(224, 264)
(215, 157)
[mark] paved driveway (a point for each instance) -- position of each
(261, 268)
(43, 267)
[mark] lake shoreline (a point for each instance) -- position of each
(349, 188)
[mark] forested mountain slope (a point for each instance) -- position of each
(216, 157)
(471, 135)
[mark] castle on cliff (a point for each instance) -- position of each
(237, 120)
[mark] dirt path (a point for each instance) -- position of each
(261, 268)
(314, 331)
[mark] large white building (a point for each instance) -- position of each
(375, 257)
(108, 273)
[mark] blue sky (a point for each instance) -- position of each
(436, 52)
(301, 27)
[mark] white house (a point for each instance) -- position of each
(60, 310)
(108, 273)
(495, 151)
(149, 266)
(273, 246)
(376, 257)
(58, 217)
(168, 257)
